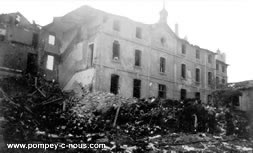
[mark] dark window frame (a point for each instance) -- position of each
(91, 53)
(136, 88)
(162, 91)
(162, 64)
(114, 88)
(209, 77)
(183, 94)
(137, 61)
(183, 71)
(197, 73)
(116, 50)
(197, 95)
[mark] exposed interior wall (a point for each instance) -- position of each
(18, 45)
(20, 35)
(14, 56)
(85, 77)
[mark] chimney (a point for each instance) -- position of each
(176, 29)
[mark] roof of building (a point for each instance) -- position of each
(76, 16)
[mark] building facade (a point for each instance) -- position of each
(116, 54)
(243, 101)
(221, 69)
(18, 45)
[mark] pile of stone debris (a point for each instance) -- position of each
(44, 114)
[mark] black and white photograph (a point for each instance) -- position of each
(126, 76)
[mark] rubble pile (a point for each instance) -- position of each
(44, 114)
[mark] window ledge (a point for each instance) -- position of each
(137, 67)
(162, 73)
(116, 61)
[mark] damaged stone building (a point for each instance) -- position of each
(118, 55)
(244, 100)
(18, 45)
(221, 69)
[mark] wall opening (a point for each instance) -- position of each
(162, 64)
(115, 50)
(51, 39)
(137, 88)
(2, 37)
(114, 84)
(197, 95)
(91, 52)
(50, 62)
(183, 71)
(35, 40)
(236, 101)
(31, 63)
(162, 91)
(209, 78)
(183, 49)
(137, 58)
(183, 94)
(197, 75)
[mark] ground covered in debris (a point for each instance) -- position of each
(39, 112)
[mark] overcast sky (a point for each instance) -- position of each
(210, 24)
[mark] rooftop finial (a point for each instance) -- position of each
(163, 14)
